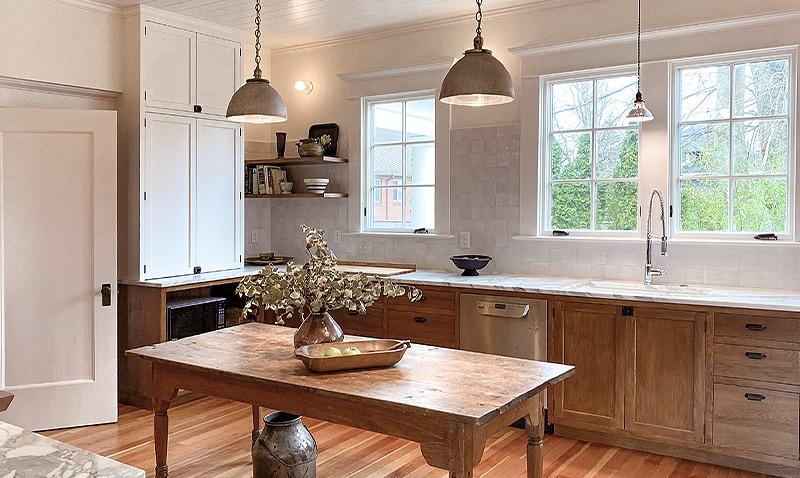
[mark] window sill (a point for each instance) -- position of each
(672, 240)
(407, 235)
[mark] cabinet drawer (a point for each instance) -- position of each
(439, 299)
(757, 420)
(757, 363)
(423, 327)
(755, 327)
(369, 324)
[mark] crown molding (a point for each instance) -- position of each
(438, 65)
(660, 34)
(57, 88)
(378, 33)
(93, 6)
(182, 21)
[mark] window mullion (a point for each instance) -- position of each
(731, 140)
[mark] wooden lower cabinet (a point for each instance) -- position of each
(665, 373)
(590, 337)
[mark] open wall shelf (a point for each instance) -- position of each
(296, 161)
(297, 195)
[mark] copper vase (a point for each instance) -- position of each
(285, 449)
(318, 328)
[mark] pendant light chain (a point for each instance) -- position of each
(257, 72)
(639, 46)
(477, 43)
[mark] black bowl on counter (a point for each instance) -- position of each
(470, 263)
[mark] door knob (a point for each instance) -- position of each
(105, 292)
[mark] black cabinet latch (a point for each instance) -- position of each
(198, 109)
(198, 269)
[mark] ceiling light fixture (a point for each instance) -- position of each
(639, 113)
(478, 78)
(256, 101)
(304, 86)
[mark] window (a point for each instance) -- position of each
(732, 154)
(591, 156)
(401, 158)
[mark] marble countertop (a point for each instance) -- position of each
(25, 454)
(764, 299)
(194, 278)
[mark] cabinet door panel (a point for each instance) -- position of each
(219, 204)
(590, 337)
(168, 186)
(664, 392)
(169, 67)
(218, 73)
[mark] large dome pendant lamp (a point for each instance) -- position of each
(478, 78)
(639, 113)
(256, 101)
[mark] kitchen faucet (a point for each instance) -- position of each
(649, 270)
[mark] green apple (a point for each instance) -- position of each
(351, 351)
(333, 352)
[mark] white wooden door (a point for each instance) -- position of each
(168, 203)
(169, 67)
(58, 246)
(218, 73)
(220, 173)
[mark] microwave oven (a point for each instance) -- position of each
(197, 315)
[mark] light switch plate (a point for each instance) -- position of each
(463, 240)
(337, 236)
(254, 236)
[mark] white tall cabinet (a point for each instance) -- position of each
(181, 188)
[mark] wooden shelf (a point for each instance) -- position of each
(296, 161)
(296, 195)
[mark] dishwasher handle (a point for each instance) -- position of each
(508, 310)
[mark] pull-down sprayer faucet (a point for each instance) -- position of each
(649, 270)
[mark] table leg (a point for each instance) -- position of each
(256, 423)
(534, 426)
(161, 436)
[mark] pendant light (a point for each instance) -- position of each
(478, 78)
(256, 101)
(639, 113)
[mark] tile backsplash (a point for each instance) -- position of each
(484, 186)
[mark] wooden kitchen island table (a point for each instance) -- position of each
(449, 401)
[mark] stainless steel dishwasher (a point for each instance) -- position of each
(504, 326)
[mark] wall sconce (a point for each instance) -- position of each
(304, 86)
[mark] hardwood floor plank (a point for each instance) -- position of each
(210, 437)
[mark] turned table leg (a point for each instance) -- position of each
(256, 423)
(534, 426)
(161, 436)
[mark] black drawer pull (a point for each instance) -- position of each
(754, 397)
(755, 327)
(352, 312)
(755, 355)
(420, 320)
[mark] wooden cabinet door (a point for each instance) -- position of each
(220, 216)
(169, 67)
(590, 337)
(218, 73)
(168, 201)
(665, 383)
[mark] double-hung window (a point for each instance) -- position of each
(590, 155)
(732, 156)
(400, 143)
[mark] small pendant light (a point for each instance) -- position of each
(639, 113)
(478, 78)
(256, 101)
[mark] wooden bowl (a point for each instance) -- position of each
(374, 353)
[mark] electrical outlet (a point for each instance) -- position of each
(254, 236)
(337, 236)
(463, 240)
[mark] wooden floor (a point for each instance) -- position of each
(211, 438)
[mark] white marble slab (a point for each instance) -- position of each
(194, 278)
(24, 454)
(765, 299)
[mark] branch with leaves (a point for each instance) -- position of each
(317, 286)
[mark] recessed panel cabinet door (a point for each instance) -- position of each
(58, 266)
(590, 337)
(169, 67)
(665, 390)
(219, 199)
(218, 73)
(168, 196)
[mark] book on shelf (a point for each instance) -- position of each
(262, 179)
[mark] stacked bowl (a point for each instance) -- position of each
(316, 185)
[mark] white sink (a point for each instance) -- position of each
(612, 287)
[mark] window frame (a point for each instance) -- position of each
(674, 124)
(545, 168)
(367, 146)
